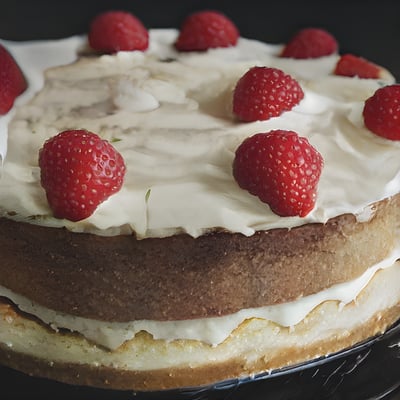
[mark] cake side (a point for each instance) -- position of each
(256, 346)
(181, 277)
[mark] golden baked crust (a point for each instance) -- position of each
(176, 278)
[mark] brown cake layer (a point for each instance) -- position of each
(123, 279)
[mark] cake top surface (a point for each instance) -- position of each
(169, 114)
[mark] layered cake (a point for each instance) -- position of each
(178, 212)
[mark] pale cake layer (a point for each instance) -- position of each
(124, 279)
(146, 364)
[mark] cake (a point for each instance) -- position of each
(181, 277)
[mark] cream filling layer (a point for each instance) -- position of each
(212, 331)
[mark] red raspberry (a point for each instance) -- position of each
(351, 65)
(262, 93)
(79, 171)
(12, 81)
(382, 112)
(310, 43)
(206, 29)
(282, 169)
(114, 31)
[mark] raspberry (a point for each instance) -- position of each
(382, 112)
(351, 65)
(310, 43)
(282, 169)
(206, 29)
(79, 171)
(12, 80)
(263, 92)
(114, 31)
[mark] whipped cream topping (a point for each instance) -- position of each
(169, 114)
(213, 330)
(35, 57)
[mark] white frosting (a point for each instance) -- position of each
(35, 57)
(209, 330)
(172, 122)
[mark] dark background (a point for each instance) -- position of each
(368, 28)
